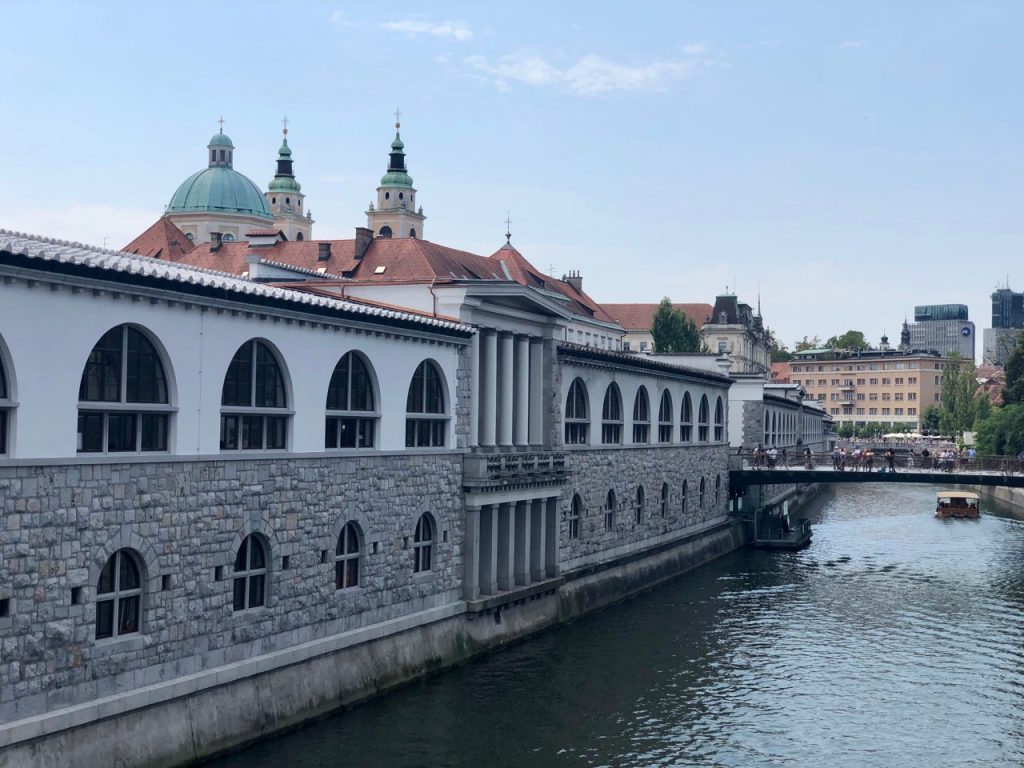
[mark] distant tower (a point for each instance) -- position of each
(884, 345)
(905, 336)
(395, 214)
(285, 198)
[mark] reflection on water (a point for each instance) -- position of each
(895, 640)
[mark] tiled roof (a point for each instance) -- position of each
(409, 259)
(640, 317)
(163, 240)
(582, 352)
(304, 254)
(189, 277)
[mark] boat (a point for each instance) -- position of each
(958, 504)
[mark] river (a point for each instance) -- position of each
(894, 640)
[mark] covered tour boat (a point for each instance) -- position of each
(957, 504)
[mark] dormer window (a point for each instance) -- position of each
(723, 318)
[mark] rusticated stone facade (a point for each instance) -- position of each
(185, 521)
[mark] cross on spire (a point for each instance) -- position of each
(398, 119)
(284, 122)
(221, 121)
(508, 227)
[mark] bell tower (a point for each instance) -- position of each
(396, 214)
(284, 196)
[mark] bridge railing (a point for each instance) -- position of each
(879, 462)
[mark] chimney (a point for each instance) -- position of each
(323, 251)
(215, 241)
(574, 279)
(364, 237)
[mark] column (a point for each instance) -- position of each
(474, 389)
(488, 549)
(506, 383)
(536, 395)
(522, 551)
(488, 387)
(521, 431)
(538, 548)
(506, 545)
(471, 555)
(551, 536)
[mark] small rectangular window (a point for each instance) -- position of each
(286, 562)
(5, 607)
(165, 582)
(77, 595)
(218, 573)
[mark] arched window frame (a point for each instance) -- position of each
(610, 505)
(666, 422)
(611, 416)
(686, 493)
(686, 419)
(423, 544)
(664, 499)
(719, 420)
(352, 415)
(641, 416)
(426, 417)
(386, 232)
(703, 420)
(255, 416)
(119, 596)
(718, 489)
(112, 418)
(250, 574)
(700, 498)
(575, 513)
(6, 406)
(639, 504)
(346, 556)
(577, 414)
(767, 429)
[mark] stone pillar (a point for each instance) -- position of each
(521, 429)
(551, 536)
(506, 545)
(471, 555)
(487, 407)
(536, 395)
(538, 547)
(522, 548)
(474, 390)
(506, 383)
(488, 549)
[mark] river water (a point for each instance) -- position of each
(894, 640)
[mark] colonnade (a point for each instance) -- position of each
(509, 389)
(510, 544)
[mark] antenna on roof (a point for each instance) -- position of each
(759, 298)
(508, 228)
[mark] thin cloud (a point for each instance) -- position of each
(451, 30)
(590, 74)
(853, 44)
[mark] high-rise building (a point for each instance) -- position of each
(1007, 323)
(942, 328)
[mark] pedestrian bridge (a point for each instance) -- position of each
(1007, 472)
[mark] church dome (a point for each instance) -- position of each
(219, 189)
(221, 140)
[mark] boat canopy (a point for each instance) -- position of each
(957, 495)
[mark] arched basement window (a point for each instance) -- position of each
(122, 398)
(703, 417)
(575, 513)
(5, 407)
(351, 416)
(426, 418)
(686, 420)
(611, 416)
(641, 503)
(346, 557)
(119, 596)
(718, 488)
(250, 576)
(665, 421)
(423, 544)
(701, 497)
(664, 499)
(686, 492)
(609, 511)
(577, 419)
(641, 417)
(254, 405)
(719, 421)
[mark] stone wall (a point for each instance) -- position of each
(185, 521)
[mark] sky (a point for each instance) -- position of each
(841, 161)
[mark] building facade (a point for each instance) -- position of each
(733, 328)
(1007, 324)
(637, 320)
(943, 328)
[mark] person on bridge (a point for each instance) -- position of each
(808, 459)
(890, 459)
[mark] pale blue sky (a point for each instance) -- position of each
(851, 159)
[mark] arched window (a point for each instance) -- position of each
(227, 237)
(664, 499)
(250, 577)
(609, 511)
(575, 513)
(686, 420)
(190, 237)
(577, 420)
(122, 399)
(641, 417)
(385, 232)
(299, 236)
(641, 502)
(611, 416)
(719, 421)
(119, 596)
(767, 429)
(700, 498)
(412, 232)
(686, 491)
(426, 418)
(253, 401)
(351, 416)
(5, 406)
(665, 421)
(718, 489)
(703, 419)
(346, 557)
(423, 544)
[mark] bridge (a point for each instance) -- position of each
(1004, 471)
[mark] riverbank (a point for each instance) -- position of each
(1011, 498)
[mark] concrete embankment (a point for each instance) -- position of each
(1010, 498)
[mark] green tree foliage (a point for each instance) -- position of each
(1013, 390)
(848, 340)
(957, 396)
(673, 331)
(780, 352)
(982, 408)
(931, 420)
(845, 429)
(807, 343)
(1001, 433)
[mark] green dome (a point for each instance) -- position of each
(284, 184)
(396, 179)
(219, 189)
(221, 140)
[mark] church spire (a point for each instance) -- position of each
(284, 195)
(395, 214)
(284, 178)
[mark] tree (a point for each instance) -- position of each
(673, 331)
(780, 352)
(931, 420)
(848, 340)
(806, 343)
(959, 385)
(1002, 432)
(1013, 389)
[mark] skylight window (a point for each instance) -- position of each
(380, 270)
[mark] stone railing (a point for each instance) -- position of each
(530, 467)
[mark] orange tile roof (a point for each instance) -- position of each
(780, 373)
(640, 317)
(305, 254)
(163, 240)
